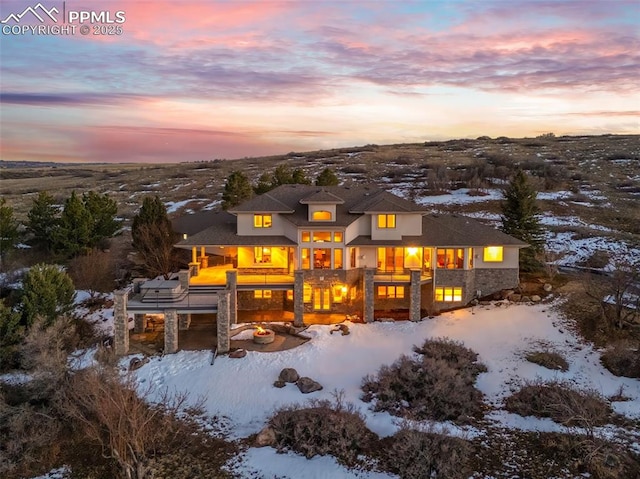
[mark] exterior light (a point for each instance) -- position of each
(184, 235)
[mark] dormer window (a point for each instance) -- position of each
(262, 221)
(386, 221)
(322, 215)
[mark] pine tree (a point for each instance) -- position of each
(236, 190)
(74, 233)
(47, 292)
(42, 220)
(265, 183)
(520, 219)
(298, 177)
(153, 238)
(282, 175)
(327, 178)
(103, 212)
(8, 229)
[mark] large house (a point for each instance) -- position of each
(304, 252)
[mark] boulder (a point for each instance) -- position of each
(525, 299)
(279, 384)
(535, 298)
(547, 287)
(341, 327)
(238, 353)
(308, 385)
(515, 297)
(266, 437)
(506, 293)
(289, 375)
(137, 363)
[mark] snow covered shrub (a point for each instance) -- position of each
(622, 359)
(548, 359)
(418, 454)
(323, 428)
(562, 403)
(439, 385)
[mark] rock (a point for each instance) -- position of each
(308, 385)
(238, 353)
(525, 299)
(137, 363)
(279, 384)
(547, 287)
(535, 298)
(506, 293)
(515, 297)
(288, 375)
(266, 437)
(474, 302)
(341, 327)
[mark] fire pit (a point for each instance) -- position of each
(263, 336)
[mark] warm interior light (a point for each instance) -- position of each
(493, 253)
(344, 289)
(412, 251)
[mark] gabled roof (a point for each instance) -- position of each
(448, 230)
(385, 202)
(222, 232)
(265, 203)
(194, 222)
(321, 196)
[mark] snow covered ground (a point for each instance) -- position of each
(242, 391)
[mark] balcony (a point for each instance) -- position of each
(217, 276)
(400, 275)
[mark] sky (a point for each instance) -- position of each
(181, 81)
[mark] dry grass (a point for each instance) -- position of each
(548, 359)
(622, 358)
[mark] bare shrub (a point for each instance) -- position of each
(622, 359)
(548, 359)
(414, 454)
(562, 403)
(335, 428)
(438, 386)
(94, 272)
(130, 431)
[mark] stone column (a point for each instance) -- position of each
(120, 322)
(184, 321)
(183, 277)
(139, 323)
(298, 298)
(170, 331)
(368, 297)
(414, 296)
(232, 286)
(194, 268)
(223, 322)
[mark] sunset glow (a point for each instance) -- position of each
(196, 80)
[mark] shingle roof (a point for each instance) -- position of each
(193, 223)
(265, 203)
(385, 202)
(222, 232)
(321, 196)
(448, 230)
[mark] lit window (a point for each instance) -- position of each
(337, 237)
(450, 258)
(391, 292)
(470, 258)
(448, 294)
(322, 216)
(262, 221)
(305, 236)
(307, 293)
(339, 293)
(262, 294)
(290, 295)
(493, 254)
(305, 256)
(337, 258)
(321, 236)
(352, 257)
(262, 254)
(386, 221)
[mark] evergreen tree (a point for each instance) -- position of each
(265, 183)
(42, 220)
(46, 291)
(11, 333)
(282, 175)
(298, 177)
(236, 190)
(327, 178)
(74, 233)
(103, 212)
(153, 238)
(520, 219)
(8, 229)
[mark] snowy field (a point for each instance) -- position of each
(242, 391)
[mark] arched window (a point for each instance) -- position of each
(321, 216)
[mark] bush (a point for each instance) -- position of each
(622, 359)
(323, 428)
(562, 403)
(419, 454)
(548, 359)
(47, 292)
(438, 386)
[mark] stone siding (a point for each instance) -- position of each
(489, 281)
(170, 331)
(247, 301)
(120, 323)
(223, 325)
